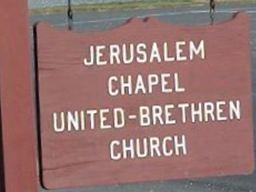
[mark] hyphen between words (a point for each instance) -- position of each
(105, 119)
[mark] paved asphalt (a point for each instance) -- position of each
(188, 16)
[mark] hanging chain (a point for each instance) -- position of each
(70, 15)
(212, 11)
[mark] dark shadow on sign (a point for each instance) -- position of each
(253, 73)
(2, 179)
(37, 103)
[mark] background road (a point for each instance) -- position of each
(188, 16)
(52, 3)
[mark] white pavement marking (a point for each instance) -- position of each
(160, 15)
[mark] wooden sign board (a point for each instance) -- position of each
(144, 101)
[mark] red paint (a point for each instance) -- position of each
(18, 130)
(65, 84)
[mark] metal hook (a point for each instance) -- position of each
(212, 11)
(70, 15)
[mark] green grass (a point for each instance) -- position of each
(137, 4)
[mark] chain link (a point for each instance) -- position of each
(212, 11)
(70, 15)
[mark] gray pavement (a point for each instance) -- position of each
(199, 16)
(52, 3)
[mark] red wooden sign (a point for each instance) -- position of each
(144, 101)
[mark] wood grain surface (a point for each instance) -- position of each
(81, 158)
(17, 101)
